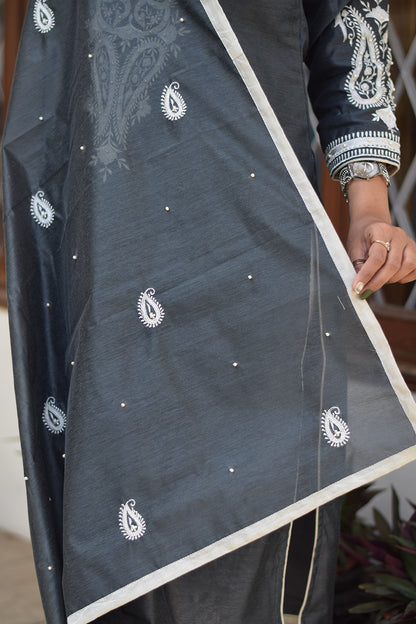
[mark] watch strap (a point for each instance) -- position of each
(349, 172)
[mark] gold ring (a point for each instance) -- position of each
(384, 243)
(358, 261)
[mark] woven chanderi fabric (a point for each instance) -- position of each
(192, 369)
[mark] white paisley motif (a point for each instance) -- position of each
(173, 104)
(41, 210)
(43, 16)
(53, 417)
(368, 84)
(335, 429)
(150, 311)
(132, 524)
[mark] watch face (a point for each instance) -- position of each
(365, 170)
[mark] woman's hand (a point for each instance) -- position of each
(370, 222)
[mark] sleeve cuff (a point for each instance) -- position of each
(369, 145)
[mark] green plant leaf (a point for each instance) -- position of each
(353, 502)
(407, 529)
(395, 510)
(377, 589)
(404, 542)
(411, 607)
(387, 555)
(370, 607)
(382, 525)
(391, 614)
(409, 561)
(402, 586)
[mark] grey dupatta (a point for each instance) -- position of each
(192, 370)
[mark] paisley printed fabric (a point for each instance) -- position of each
(131, 43)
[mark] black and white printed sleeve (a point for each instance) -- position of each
(351, 89)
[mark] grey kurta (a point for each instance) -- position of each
(192, 371)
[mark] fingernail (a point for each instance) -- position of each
(359, 287)
(366, 294)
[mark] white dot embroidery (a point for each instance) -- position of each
(53, 417)
(42, 210)
(43, 17)
(335, 429)
(151, 313)
(173, 104)
(132, 524)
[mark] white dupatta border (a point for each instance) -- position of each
(339, 256)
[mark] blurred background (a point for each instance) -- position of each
(395, 306)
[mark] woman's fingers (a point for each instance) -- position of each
(393, 257)
(388, 260)
(407, 271)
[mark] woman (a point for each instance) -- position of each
(196, 370)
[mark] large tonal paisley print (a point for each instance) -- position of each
(132, 43)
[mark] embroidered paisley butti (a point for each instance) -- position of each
(368, 84)
(43, 16)
(53, 417)
(150, 312)
(335, 430)
(133, 41)
(172, 102)
(132, 524)
(42, 210)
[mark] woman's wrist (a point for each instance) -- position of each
(368, 200)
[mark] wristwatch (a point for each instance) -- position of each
(365, 170)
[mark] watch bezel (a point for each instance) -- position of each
(364, 169)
